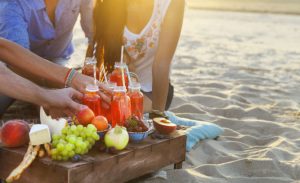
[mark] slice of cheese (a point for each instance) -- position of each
(39, 134)
(55, 126)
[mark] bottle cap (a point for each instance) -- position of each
(134, 86)
(92, 88)
(120, 89)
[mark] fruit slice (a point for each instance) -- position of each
(55, 126)
(164, 126)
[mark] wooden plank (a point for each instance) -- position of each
(132, 164)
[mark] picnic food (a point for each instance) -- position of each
(39, 134)
(135, 125)
(85, 116)
(92, 99)
(120, 106)
(100, 122)
(55, 126)
(74, 140)
(116, 137)
(14, 133)
(164, 126)
(136, 99)
(29, 157)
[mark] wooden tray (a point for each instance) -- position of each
(139, 159)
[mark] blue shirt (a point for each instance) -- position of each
(27, 23)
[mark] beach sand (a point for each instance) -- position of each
(242, 72)
(274, 6)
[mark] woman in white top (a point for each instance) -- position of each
(149, 30)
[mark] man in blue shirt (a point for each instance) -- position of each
(45, 27)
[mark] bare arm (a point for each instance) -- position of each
(22, 59)
(17, 87)
(26, 61)
(86, 13)
(169, 37)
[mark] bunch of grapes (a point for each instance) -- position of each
(75, 140)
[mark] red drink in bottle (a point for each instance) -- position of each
(107, 111)
(89, 67)
(120, 106)
(116, 75)
(137, 100)
(92, 99)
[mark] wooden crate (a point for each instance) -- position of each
(135, 161)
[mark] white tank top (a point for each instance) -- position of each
(142, 47)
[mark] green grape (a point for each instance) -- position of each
(95, 136)
(76, 133)
(64, 152)
(71, 153)
(64, 131)
(62, 141)
(54, 152)
(72, 140)
(59, 158)
(80, 138)
(91, 126)
(83, 134)
(77, 150)
(70, 147)
(54, 143)
(90, 140)
(60, 147)
(65, 158)
(80, 127)
(55, 137)
(73, 128)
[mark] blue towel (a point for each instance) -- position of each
(198, 130)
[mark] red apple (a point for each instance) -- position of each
(85, 116)
(164, 126)
(15, 133)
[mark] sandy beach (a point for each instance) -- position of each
(267, 6)
(241, 71)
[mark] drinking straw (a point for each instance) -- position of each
(128, 73)
(104, 73)
(95, 63)
(122, 69)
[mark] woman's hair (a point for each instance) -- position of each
(109, 22)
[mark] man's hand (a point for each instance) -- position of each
(80, 82)
(62, 101)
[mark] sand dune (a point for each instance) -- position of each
(241, 71)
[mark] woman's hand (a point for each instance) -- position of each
(61, 101)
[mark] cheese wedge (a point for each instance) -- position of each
(55, 126)
(39, 134)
